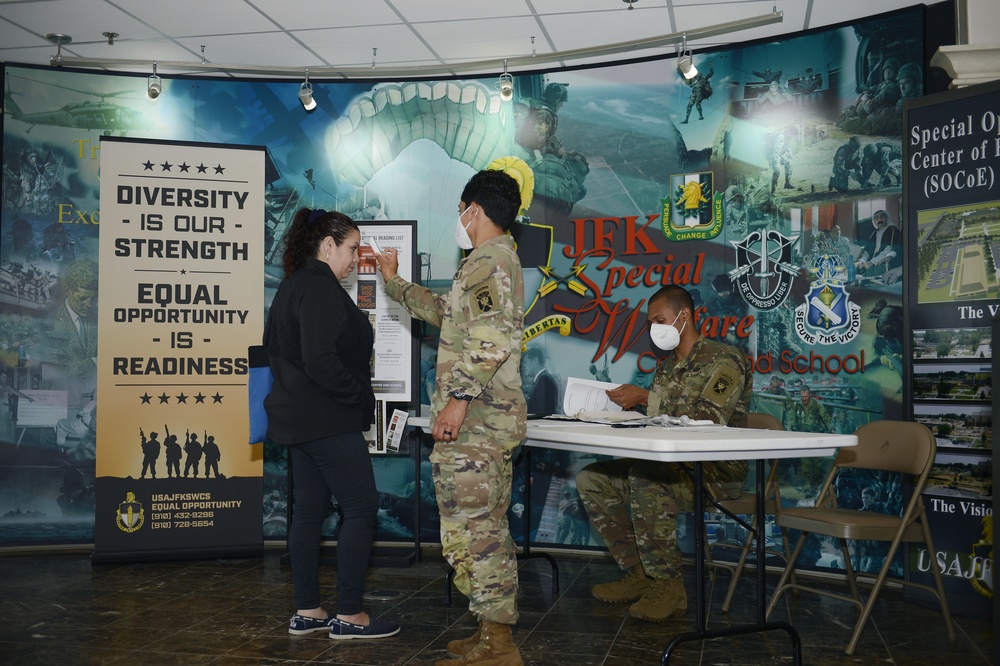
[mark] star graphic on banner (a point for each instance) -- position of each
(199, 399)
(183, 271)
(145, 397)
(182, 399)
(166, 166)
(217, 398)
(184, 166)
(164, 399)
(148, 165)
(219, 169)
(202, 168)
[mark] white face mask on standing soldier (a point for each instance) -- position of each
(462, 232)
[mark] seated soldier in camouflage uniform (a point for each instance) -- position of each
(633, 504)
(478, 411)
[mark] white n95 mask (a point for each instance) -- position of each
(666, 336)
(462, 232)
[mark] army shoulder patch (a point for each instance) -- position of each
(721, 384)
(484, 297)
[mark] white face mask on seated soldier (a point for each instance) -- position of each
(666, 336)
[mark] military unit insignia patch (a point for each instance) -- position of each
(722, 385)
(131, 514)
(485, 297)
(719, 385)
(693, 211)
(828, 316)
(764, 270)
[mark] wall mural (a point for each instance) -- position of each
(768, 185)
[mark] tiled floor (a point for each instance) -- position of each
(56, 609)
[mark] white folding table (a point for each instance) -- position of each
(697, 444)
(694, 444)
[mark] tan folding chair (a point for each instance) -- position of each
(894, 446)
(746, 504)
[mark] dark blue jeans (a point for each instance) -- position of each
(339, 465)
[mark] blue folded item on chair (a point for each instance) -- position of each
(258, 386)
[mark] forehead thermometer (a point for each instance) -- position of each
(373, 245)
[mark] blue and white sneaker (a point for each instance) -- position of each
(376, 628)
(300, 624)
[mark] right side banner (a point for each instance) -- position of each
(952, 207)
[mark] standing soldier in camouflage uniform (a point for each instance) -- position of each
(633, 504)
(809, 415)
(477, 410)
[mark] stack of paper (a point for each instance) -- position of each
(587, 400)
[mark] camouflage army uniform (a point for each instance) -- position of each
(810, 418)
(633, 504)
(479, 354)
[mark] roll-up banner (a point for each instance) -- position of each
(952, 195)
(181, 293)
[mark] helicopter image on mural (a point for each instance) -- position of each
(89, 115)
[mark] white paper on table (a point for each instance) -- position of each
(587, 395)
(609, 417)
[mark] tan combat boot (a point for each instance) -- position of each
(460, 647)
(664, 599)
(495, 648)
(628, 589)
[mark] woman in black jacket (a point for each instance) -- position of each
(319, 345)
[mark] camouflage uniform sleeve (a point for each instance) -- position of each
(419, 301)
(491, 316)
(722, 392)
(656, 401)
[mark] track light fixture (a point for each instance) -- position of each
(154, 88)
(58, 39)
(306, 94)
(685, 62)
(477, 67)
(506, 84)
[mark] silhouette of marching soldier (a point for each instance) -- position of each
(212, 455)
(174, 453)
(193, 449)
(150, 452)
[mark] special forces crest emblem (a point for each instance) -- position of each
(130, 515)
(764, 270)
(694, 209)
(828, 316)
(485, 296)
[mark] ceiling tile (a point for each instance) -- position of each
(83, 20)
(353, 48)
(174, 18)
(466, 41)
(407, 33)
(304, 15)
(422, 10)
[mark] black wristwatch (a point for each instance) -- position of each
(458, 395)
